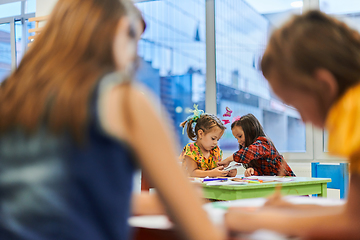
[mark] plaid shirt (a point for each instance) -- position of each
(263, 157)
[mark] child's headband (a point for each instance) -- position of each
(196, 114)
(236, 118)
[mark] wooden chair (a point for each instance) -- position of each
(37, 29)
(339, 175)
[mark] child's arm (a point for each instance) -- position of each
(254, 151)
(286, 221)
(176, 193)
(315, 222)
(245, 154)
(193, 171)
(226, 161)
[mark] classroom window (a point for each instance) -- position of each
(10, 9)
(242, 28)
(30, 6)
(172, 56)
(14, 34)
(21, 40)
(5, 50)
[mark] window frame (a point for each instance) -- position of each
(314, 137)
(319, 153)
(22, 17)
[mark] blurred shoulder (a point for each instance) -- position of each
(122, 103)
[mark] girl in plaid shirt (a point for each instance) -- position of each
(257, 153)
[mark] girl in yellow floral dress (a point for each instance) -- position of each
(201, 157)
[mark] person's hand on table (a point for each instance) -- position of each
(218, 172)
(304, 224)
(249, 172)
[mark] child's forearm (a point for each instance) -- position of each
(201, 173)
(287, 222)
(237, 157)
(229, 159)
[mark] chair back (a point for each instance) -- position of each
(37, 29)
(339, 175)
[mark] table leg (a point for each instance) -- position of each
(323, 190)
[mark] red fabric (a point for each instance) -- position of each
(263, 157)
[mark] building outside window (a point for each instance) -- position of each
(242, 29)
(173, 58)
(173, 63)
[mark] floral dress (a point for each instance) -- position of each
(193, 151)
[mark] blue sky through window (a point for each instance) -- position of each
(10, 9)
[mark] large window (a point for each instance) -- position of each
(14, 34)
(191, 45)
(242, 29)
(5, 50)
(172, 56)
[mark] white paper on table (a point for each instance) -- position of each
(224, 183)
(232, 165)
(272, 178)
(263, 234)
(150, 221)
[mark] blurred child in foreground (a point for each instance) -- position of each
(72, 131)
(313, 64)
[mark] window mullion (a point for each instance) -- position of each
(210, 92)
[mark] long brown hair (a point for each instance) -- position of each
(251, 127)
(311, 41)
(58, 73)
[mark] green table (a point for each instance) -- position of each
(299, 186)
